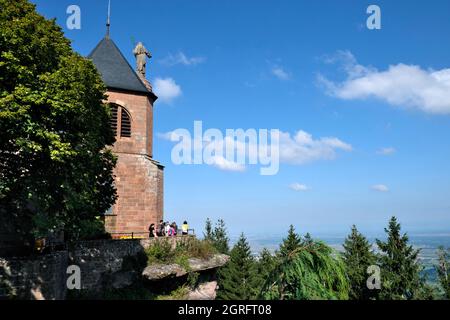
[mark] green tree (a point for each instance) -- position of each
(265, 265)
(220, 237)
(307, 239)
(400, 270)
(292, 242)
(208, 233)
(238, 279)
(55, 173)
(311, 271)
(358, 257)
(443, 270)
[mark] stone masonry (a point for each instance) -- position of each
(139, 178)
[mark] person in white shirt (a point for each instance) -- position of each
(166, 228)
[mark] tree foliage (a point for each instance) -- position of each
(265, 265)
(400, 270)
(55, 173)
(357, 257)
(311, 271)
(238, 279)
(443, 270)
(291, 243)
(208, 233)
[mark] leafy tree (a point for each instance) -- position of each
(358, 257)
(238, 279)
(220, 237)
(443, 270)
(208, 233)
(292, 242)
(400, 270)
(309, 272)
(55, 173)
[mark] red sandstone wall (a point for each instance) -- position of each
(141, 111)
(139, 179)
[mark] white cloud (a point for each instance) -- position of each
(181, 58)
(226, 165)
(298, 187)
(280, 73)
(400, 85)
(166, 89)
(386, 151)
(299, 149)
(303, 148)
(380, 188)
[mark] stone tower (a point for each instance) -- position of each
(139, 178)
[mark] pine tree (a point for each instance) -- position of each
(292, 242)
(238, 279)
(307, 239)
(220, 237)
(265, 265)
(208, 234)
(400, 270)
(358, 257)
(443, 270)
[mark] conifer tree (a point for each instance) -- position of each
(400, 270)
(443, 270)
(292, 242)
(265, 265)
(208, 233)
(238, 279)
(358, 257)
(220, 237)
(307, 239)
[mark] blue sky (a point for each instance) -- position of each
(296, 65)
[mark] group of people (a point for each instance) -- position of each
(166, 229)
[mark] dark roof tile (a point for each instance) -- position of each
(114, 68)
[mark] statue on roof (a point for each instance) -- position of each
(141, 54)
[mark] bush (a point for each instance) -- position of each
(195, 248)
(162, 252)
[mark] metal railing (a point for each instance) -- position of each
(145, 235)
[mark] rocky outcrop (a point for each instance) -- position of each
(157, 272)
(205, 291)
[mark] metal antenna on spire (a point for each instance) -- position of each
(108, 21)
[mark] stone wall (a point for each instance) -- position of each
(104, 264)
(108, 263)
(34, 278)
(139, 183)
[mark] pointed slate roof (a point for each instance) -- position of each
(114, 68)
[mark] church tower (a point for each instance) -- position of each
(138, 177)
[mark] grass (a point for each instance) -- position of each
(177, 294)
(162, 252)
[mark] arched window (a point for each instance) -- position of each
(120, 121)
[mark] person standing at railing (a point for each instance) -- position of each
(184, 228)
(160, 231)
(171, 232)
(166, 228)
(152, 231)
(175, 228)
